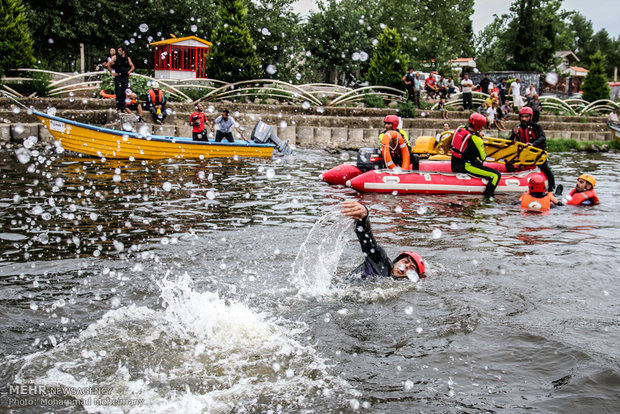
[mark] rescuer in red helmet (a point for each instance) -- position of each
(391, 124)
(407, 265)
(537, 198)
(468, 153)
(531, 133)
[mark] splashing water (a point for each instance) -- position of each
(200, 353)
(318, 256)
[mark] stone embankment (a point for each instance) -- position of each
(315, 127)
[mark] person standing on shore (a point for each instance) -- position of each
(466, 89)
(120, 67)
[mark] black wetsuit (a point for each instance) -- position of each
(121, 80)
(376, 262)
(534, 134)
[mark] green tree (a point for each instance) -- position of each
(595, 84)
(15, 38)
(276, 32)
(491, 49)
(526, 38)
(338, 38)
(59, 26)
(233, 57)
(387, 65)
(536, 31)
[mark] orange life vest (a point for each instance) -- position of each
(578, 198)
(536, 204)
(160, 96)
(459, 142)
(386, 141)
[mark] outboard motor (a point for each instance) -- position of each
(370, 159)
(263, 133)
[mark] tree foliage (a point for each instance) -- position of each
(233, 57)
(595, 85)
(17, 50)
(387, 64)
(276, 32)
(59, 26)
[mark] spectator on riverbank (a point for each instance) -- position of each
(431, 86)
(443, 109)
(536, 108)
(501, 87)
(120, 67)
(409, 80)
(105, 62)
(132, 104)
(499, 117)
(156, 101)
(484, 84)
(613, 117)
(450, 88)
(515, 91)
(466, 89)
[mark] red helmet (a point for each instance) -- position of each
(526, 110)
(392, 119)
(419, 262)
(537, 184)
(477, 121)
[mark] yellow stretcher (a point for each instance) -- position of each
(497, 149)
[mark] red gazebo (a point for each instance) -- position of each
(181, 58)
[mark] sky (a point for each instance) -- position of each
(602, 13)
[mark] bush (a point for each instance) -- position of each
(374, 101)
(564, 145)
(39, 85)
(595, 84)
(137, 84)
(407, 109)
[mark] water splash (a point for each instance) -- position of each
(200, 353)
(318, 256)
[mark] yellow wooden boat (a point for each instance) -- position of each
(110, 143)
(515, 153)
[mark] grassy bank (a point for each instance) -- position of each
(562, 145)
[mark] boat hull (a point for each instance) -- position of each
(109, 143)
(433, 182)
(342, 173)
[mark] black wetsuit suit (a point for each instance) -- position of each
(534, 133)
(376, 262)
(121, 80)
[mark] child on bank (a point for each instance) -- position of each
(442, 108)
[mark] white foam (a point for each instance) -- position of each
(199, 353)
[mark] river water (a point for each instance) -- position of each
(219, 286)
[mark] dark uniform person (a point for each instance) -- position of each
(120, 68)
(531, 133)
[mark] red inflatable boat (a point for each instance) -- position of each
(430, 177)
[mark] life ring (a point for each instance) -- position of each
(386, 141)
(445, 140)
(103, 94)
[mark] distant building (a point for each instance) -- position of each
(567, 59)
(181, 58)
(578, 71)
(462, 63)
